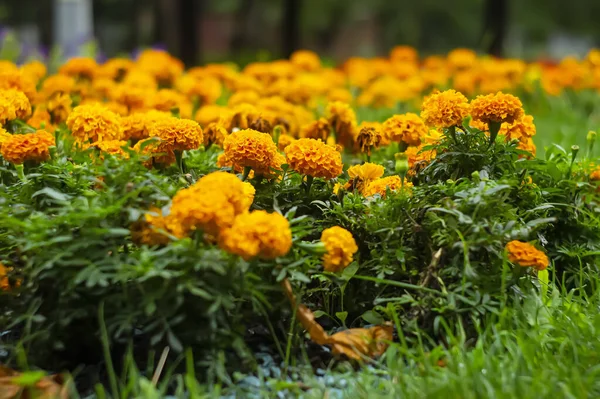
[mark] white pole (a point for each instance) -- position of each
(73, 25)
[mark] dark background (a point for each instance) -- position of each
(242, 30)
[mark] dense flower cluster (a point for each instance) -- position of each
(408, 129)
(94, 123)
(34, 147)
(251, 149)
(497, 108)
(445, 109)
(13, 105)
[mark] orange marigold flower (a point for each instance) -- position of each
(207, 114)
(80, 67)
(17, 80)
(13, 105)
(159, 64)
(35, 147)
(59, 106)
(380, 186)
(258, 233)
(35, 70)
(93, 123)
(405, 54)
(114, 68)
(314, 158)
(57, 84)
(340, 246)
(497, 108)
(113, 147)
(462, 58)
(408, 128)
(40, 119)
(594, 176)
(528, 145)
(160, 153)
(445, 109)
(206, 89)
(417, 157)
(284, 141)
(252, 149)
(167, 100)
(179, 134)
(137, 125)
(306, 60)
(249, 193)
(362, 175)
(133, 97)
(155, 229)
(520, 129)
(319, 130)
(4, 283)
(211, 204)
(526, 255)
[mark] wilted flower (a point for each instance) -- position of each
(369, 138)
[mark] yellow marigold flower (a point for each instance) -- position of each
(526, 255)
(432, 137)
(284, 141)
(159, 64)
(404, 53)
(418, 157)
(211, 204)
(497, 108)
(103, 88)
(155, 229)
(35, 147)
(241, 117)
(133, 97)
(339, 94)
(243, 97)
(4, 135)
(137, 126)
(407, 128)
(368, 139)
(252, 149)
(57, 84)
(113, 147)
(207, 114)
(258, 233)
(528, 145)
(160, 153)
(94, 123)
(366, 172)
(114, 68)
(59, 106)
(340, 246)
(41, 119)
(306, 60)
(13, 105)
(249, 193)
(343, 120)
(35, 70)
(80, 67)
(462, 58)
(167, 100)
(214, 133)
(319, 130)
(314, 158)
(17, 80)
(445, 109)
(206, 89)
(380, 186)
(520, 129)
(179, 134)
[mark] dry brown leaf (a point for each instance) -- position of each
(355, 343)
(49, 387)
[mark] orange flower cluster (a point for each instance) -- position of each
(314, 158)
(34, 147)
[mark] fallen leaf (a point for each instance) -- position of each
(46, 387)
(355, 343)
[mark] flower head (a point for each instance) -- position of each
(35, 147)
(252, 149)
(211, 204)
(178, 134)
(319, 130)
(137, 126)
(340, 246)
(13, 105)
(113, 147)
(369, 137)
(497, 108)
(445, 109)
(160, 153)
(94, 123)
(306, 60)
(80, 67)
(314, 158)
(408, 128)
(214, 133)
(59, 106)
(258, 233)
(343, 120)
(526, 255)
(520, 129)
(380, 186)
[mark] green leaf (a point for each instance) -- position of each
(342, 316)
(372, 317)
(319, 313)
(350, 271)
(29, 378)
(52, 193)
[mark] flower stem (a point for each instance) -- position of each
(247, 170)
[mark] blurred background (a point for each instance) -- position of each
(243, 30)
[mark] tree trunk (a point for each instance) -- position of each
(291, 27)
(495, 26)
(189, 11)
